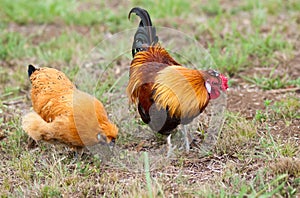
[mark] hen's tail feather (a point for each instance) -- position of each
(36, 127)
(145, 35)
(31, 69)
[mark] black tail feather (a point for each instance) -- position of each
(31, 69)
(145, 36)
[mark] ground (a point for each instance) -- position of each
(255, 43)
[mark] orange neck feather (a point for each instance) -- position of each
(154, 54)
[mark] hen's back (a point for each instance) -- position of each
(51, 93)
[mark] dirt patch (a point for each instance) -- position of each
(246, 102)
(39, 33)
(281, 129)
(294, 66)
(287, 70)
(43, 33)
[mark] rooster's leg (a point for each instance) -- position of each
(186, 138)
(170, 147)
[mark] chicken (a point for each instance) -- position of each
(166, 93)
(65, 114)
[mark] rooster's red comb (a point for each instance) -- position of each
(224, 82)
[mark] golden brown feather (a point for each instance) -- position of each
(180, 90)
(64, 113)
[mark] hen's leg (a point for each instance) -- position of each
(78, 152)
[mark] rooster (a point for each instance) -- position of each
(65, 114)
(166, 93)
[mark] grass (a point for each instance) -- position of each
(24, 12)
(12, 45)
(167, 8)
(240, 51)
(285, 109)
(254, 42)
(273, 82)
(236, 134)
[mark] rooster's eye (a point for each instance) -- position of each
(215, 73)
